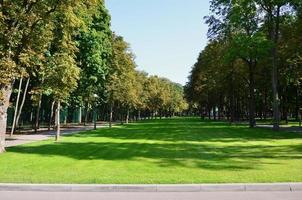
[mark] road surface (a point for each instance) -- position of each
(4, 195)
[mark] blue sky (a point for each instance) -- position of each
(165, 35)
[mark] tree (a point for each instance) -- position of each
(239, 56)
(274, 9)
(21, 23)
(94, 57)
(242, 29)
(27, 29)
(121, 79)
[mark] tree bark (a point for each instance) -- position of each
(275, 36)
(127, 116)
(220, 109)
(94, 117)
(51, 114)
(265, 105)
(37, 121)
(22, 103)
(16, 108)
(232, 104)
(276, 112)
(252, 120)
(86, 115)
(138, 115)
(111, 115)
(297, 106)
(122, 118)
(4, 103)
(58, 122)
(80, 115)
(214, 113)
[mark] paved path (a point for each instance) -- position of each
(282, 128)
(45, 135)
(151, 195)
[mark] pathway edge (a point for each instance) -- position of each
(238, 187)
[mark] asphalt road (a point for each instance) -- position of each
(4, 195)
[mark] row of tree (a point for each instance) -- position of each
(252, 66)
(62, 53)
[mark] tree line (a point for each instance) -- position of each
(252, 65)
(60, 53)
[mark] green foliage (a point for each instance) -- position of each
(121, 79)
(130, 89)
(94, 56)
(234, 72)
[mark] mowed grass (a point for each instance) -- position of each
(179, 150)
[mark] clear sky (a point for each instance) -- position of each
(165, 35)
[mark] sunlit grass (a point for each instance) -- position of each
(179, 150)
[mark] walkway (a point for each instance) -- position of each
(282, 128)
(44, 135)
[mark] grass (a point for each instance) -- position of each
(179, 150)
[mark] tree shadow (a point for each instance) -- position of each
(206, 156)
(190, 130)
(176, 142)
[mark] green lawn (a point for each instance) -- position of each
(180, 150)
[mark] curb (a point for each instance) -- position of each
(289, 187)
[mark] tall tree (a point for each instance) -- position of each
(26, 30)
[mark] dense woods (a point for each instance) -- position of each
(60, 62)
(252, 65)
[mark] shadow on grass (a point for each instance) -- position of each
(234, 153)
(186, 155)
(190, 130)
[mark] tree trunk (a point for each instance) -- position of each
(86, 115)
(297, 106)
(220, 109)
(300, 119)
(4, 103)
(94, 117)
(110, 115)
(276, 114)
(127, 116)
(22, 103)
(139, 115)
(37, 122)
(16, 107)
(252, 120)
(80, 115)
(122, 118)
(274, 34)
(265, 105)
(51, 114)
(58, 122)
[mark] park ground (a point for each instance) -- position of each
(178, 150)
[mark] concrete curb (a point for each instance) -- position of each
(152, 188)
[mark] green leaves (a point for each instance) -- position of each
(95, 52)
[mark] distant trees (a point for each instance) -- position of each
(244, 57)
(63, 57)
(136, 93)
